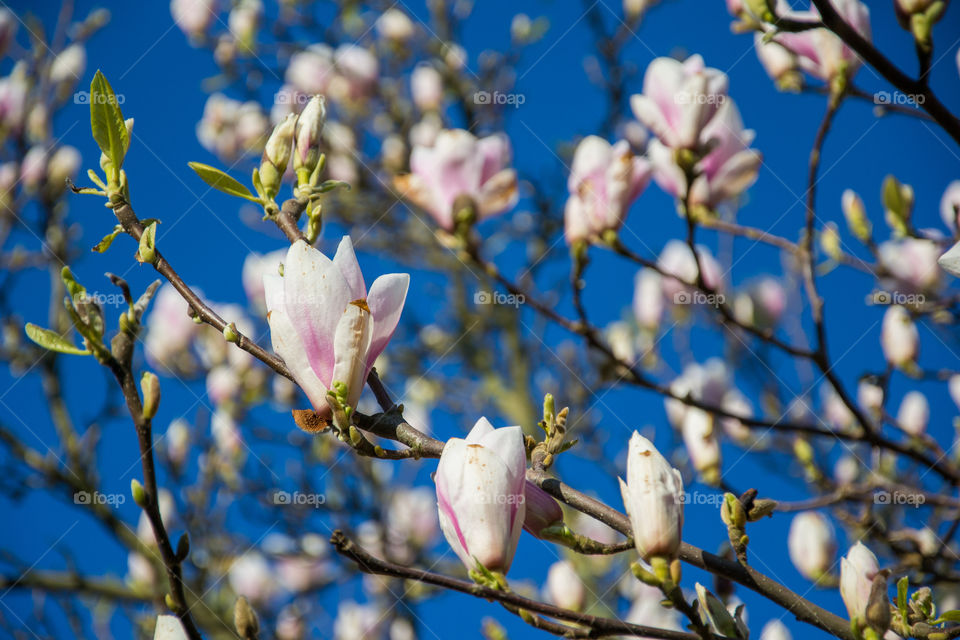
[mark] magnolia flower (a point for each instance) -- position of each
(775, 630)
(169, 628)
(727, 169)
(176, 441)
(603, 181)
(394, 24)
(542, 510)
(811, 544)
(857, 571)
(250, 576)
(358, 622)
(426, 87)
(311, 70)
(677, 260)
(193, 16)
(230, 128)
(914, 413)
(869, 395)
(412, 516)
(708, 382)
(679, 99)
(460, 165)
(564, 586)
(779, 62)
(653, 497)
(950, 205)
(69, 64)
(647, 608)
(912, 262)
(700, 439)
(223, 384)
(33, 168)
(899, 337)
(835, 411)
(480, 495)
(819, 51)
(325, 325)
(63, 165)
(648, 299)
(950, 261)
(357, 72)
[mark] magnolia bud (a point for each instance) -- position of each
(68, 66)
(138, 492)
(393, 24)
(857, 571)
(150, 385)
(899, 337)
(898, 204)
(914, 413)
(309, 126)
(701, 442)
(426, 87)
(276, 154)
(878, 605)
(565, 588)
(653, 497)
(169, 628)
(870, 395)
(856, 215)
(245, 619)
(811, 544)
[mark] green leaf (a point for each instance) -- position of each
(948, 616)
(106, 121)
(108, 239)
(148, 244)
(902, 585)
(221, 181)
(52, 340)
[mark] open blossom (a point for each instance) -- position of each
(727, 170)
(912, 262)
(250, 576)
(819, 51)
(324, 323)
(677, 260)
(811, 544)
(357, 73)
(480, 495)
(914, 413)
(230, 128)
(679, 99)
(708, 382)
(358, 621)
(604, 180)
(899, 337)
(458, 164)
(653, 497)
(857, 571)
(779, 62)
(311, 70)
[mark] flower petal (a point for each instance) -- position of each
(346, 261)
(385, 300)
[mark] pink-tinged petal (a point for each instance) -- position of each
(736, 175)
(590, 160)
(415, 189)
(315, 297)
(346, 261)
(385, 300)
(666, 173)
(457, 168)
(649, 114)
(481, 428)
(495, 154)
(287, 344)
(498, 194)
(640, 174)
(576, 225)
(507, 443)
(661, 82)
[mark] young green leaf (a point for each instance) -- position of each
(221, 181)
(108, 239)
(52, 340)
(106, 120)
(902, 585)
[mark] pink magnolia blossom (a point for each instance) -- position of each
(458, 164)
(324, 323)
(604, 180)
(679, 99)
(726, 171)
(857, 571)
(677, 260)
(480, 495)
(311, 70)
(357, 73)
(912, 262)
(565, 587)
(811, 544)
(255, 266)
(819, 51)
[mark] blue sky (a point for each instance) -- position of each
(148, 61)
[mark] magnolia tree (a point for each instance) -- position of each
(298, 491)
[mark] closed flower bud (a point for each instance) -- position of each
(857, 571)
(914, 413)
(870, 395)
(701, 442)
(426, 87)
(648, 299)
(653, 497)
(899, 337)
(950, 206)
(245, 619)
(542, 510)
(775, 630)
(950, 261)
(308, 129)
(63, 166)
(481, 495)
(68, 66)
(856, 215)
(811, 544)
(193, 17)
(393, 24)
(276, 154)
(565, 588)
(150, 385)
(169, 628)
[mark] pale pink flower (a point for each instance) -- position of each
(324, 323)
(648, 299)
(481, 495)
(899, 337)
(811, 544)
(394, 24)
(426, 87)
(193, 17)
(542, 510)
(604, 180)
(311, 70)
(458, 164)
(677, 260)
(565, 587)
(819, 51)
(912, 262)
(914, 413)
(653, 497)
(857, 571)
